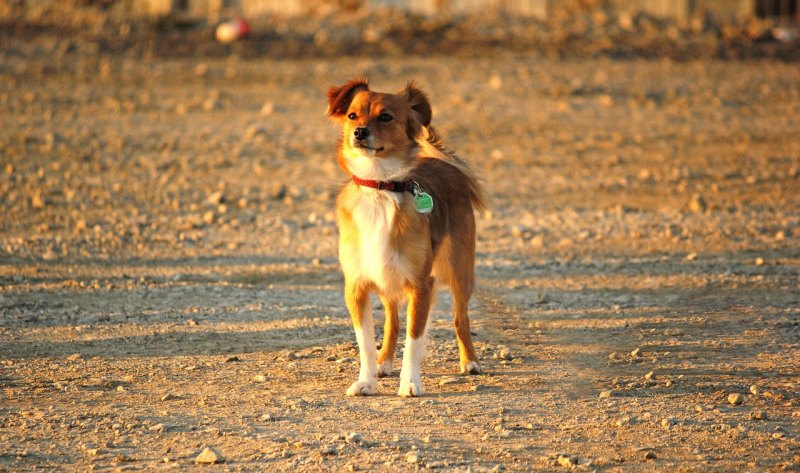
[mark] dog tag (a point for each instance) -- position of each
(423, 202)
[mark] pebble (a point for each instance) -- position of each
(215, 198)
(698, 204)
(759, 261)
(505, 354)
(635, 353)
(567, 460)
(169, 397)
(267, 108)
(650, 376)
(668, 422)
(157, 428)
(691, 256)
(259, 378)
(758, 415)
(623, 422)
(650, 455)
(754, 390)
(606, 394)
(353, 437)
(266, 418)
(735, 399)
(209, 456)
(450, 380)
(412, 458)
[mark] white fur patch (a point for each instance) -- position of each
(368, 374)
(364, 164)
(410, 377)
(379, 262)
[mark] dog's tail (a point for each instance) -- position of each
(432, 147)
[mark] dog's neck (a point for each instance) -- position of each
(365, 165)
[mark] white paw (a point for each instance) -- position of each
(385, 369)
(409, 388)
(471, 367)
(362, 388)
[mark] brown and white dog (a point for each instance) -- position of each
(392, 239)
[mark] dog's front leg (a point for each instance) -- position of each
(357, 298)
(419, 304)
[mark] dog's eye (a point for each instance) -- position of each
(385, 117)
(352, 116)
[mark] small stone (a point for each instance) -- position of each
(668, 422)
(505, 354)
(37, 201)
(450, 380)
(691, 256)
(624, 421)
(650, 376)
(267, 108)
(216, 198)
(635, 353)
(254, 131)
(735, 399)
(157, 428)
(208, 217)
(169, 397)
(495, 82)
(232, 359)
(266, 418)
(754, 390)
(412, 458)
(567, 460)
(698, 204)
(759, 261)
(650, 455)
(758, 415)
(353, 437)
(74, 357)
(259, 378)
(606, 394)
(208, 457)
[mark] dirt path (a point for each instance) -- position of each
(168, 278)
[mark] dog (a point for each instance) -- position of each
(406, 224)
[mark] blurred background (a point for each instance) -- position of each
(167, 187)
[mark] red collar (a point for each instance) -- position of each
(393, 186)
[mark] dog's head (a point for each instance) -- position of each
(379, 131)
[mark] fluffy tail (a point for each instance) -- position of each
(431, 146)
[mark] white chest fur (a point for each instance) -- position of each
(377, 258)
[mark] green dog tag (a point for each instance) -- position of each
(423, 202)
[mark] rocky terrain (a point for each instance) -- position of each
(169, 280)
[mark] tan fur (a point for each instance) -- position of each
(385, 245)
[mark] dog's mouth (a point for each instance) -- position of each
(360, 144)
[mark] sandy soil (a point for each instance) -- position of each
(169, 281)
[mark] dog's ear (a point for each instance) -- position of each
(339, 98)
(420, 112)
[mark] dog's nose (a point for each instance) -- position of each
(361, 133)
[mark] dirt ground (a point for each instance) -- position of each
(169, 279)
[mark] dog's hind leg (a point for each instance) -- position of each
(390, 333)
(466, 350)
(357, 299)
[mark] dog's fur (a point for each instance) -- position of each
(385, 245)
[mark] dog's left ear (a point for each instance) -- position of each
(420, 110)
(339, 98)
